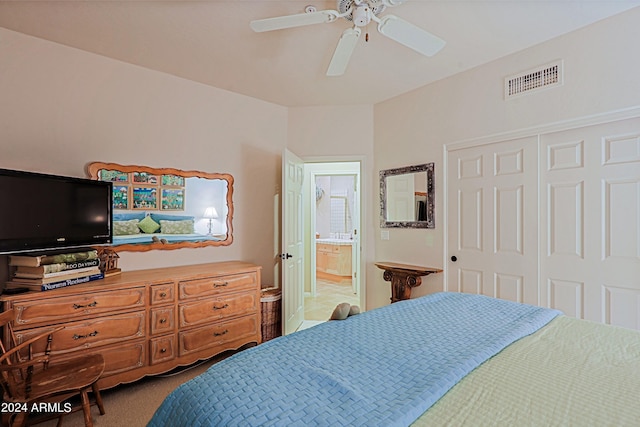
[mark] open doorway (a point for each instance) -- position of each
(332, 228)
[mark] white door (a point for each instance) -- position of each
(492, 220)
(590, 222)
(355, 247)
(292, 242)
(580, 252)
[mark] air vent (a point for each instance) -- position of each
(543, 77)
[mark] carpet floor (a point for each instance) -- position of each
(133, 405)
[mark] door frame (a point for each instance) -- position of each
(332, 168)
(279, 202)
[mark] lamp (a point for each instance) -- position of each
(211, 214)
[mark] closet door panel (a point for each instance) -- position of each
(590, 222)
(574, 246)
(492, 192)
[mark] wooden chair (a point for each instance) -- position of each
(29, 379)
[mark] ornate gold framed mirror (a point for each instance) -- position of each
(167, 208)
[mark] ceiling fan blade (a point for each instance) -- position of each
(342, 54)
(290, 21)
(409, 35)
(392, 3)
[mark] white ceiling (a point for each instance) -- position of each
(211, 42)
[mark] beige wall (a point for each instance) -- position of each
(600, 76)
(61, 108)
(341, 133)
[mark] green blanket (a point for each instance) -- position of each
(570, 373)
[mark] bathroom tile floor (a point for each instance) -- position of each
(328, 295)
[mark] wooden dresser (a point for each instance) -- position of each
(147, 322)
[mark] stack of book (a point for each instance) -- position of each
(43, 272)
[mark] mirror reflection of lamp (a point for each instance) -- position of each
(210, 213)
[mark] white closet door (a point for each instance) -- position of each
(492, 217)
(590, 222)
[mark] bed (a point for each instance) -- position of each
(444, 359)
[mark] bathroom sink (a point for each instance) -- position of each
(335, 241)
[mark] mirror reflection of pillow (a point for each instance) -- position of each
(157, 217)
(148, 225)
(177, 227)
(127, 216)
(121, 228)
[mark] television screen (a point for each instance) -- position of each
(41, 211)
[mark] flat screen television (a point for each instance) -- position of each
(43, 212)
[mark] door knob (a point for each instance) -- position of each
(454, 258)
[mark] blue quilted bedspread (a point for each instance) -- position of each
(384, 367)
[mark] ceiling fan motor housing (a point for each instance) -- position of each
(361, 15)
(374, 7)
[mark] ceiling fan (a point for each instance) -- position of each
(360, 12)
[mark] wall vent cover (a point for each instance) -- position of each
(543, 77)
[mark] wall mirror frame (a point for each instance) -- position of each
(407, 197)
(194, 208)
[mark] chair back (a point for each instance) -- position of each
(6, 323)
(6, 358)
(26, 377)
(17, 363)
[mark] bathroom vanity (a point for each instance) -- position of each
(333, 259)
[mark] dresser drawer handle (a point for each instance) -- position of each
(220, 308)
(163, 294)
(163, 320)
(219, 334)
(77, 306)
(220, 285)
(92, 334)
(163, 350)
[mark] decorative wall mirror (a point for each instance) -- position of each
(407, 197)
(167, 208)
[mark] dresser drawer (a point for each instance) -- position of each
(162, 293)
(85, 334)
(123, 358)
(63, 309)
(162, 320)
(217, 334)
(144, 322)
(216, 285)
(163, 349)
(120, 358)
(117, 358)
(205, 311)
